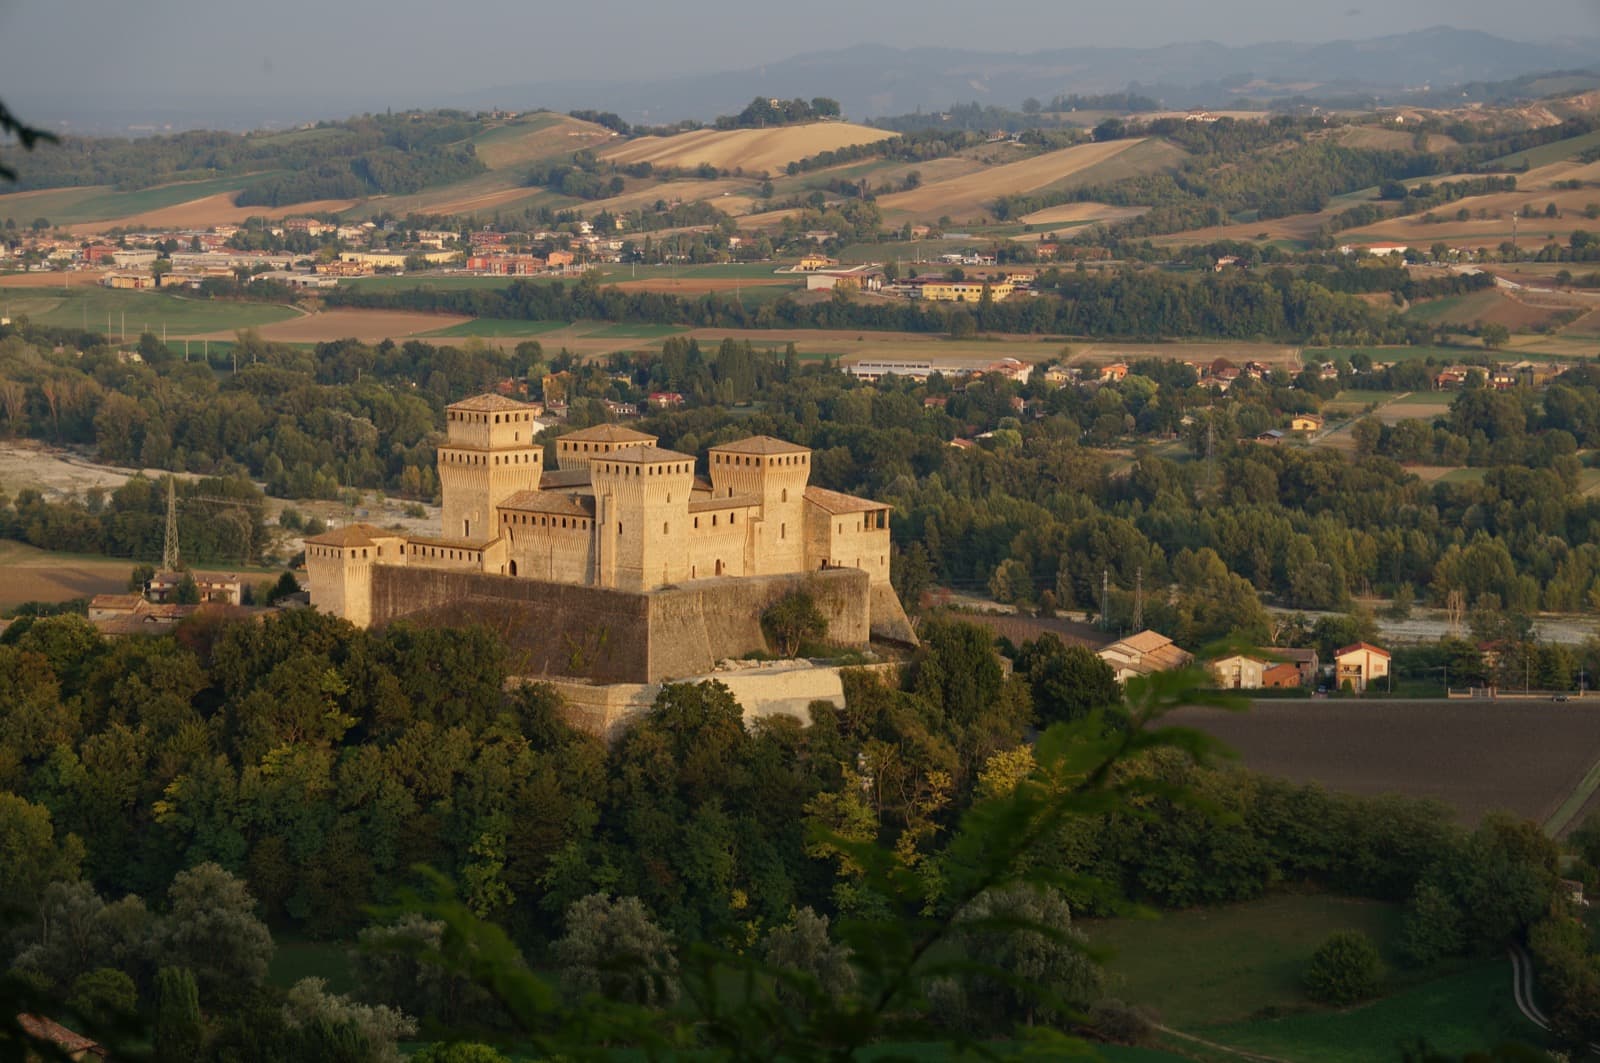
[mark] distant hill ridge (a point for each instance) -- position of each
(872, 79)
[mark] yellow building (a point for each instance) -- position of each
(947, 291)
(617, 512)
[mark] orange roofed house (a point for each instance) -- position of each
(1144, 653)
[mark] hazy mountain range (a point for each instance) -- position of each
(875, 80)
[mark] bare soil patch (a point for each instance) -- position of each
(1522, 756)
(30, 575)
(971, 193)
(369, 326)
(1071, 213)
(63, 279)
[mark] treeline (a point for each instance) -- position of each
(360, 156)
(309, 423)
(580, 177)
(220, 521)
(914, 145)
(1133, 304)
(762, 111)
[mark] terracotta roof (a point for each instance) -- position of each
(488, 403)
(706, 505)
(352, 535)
(127, 602)
(762, 445)
(1146, 641)
(647, 455)
(557, 502)
(453, 544)
(564, 478)
(1354, 646)
(44, 1029)
(837, 502)
(608, 433)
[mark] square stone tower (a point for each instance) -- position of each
(774, 471)
(490, 455)
(641, 517)
(576, 450)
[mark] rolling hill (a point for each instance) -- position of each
(755, 151)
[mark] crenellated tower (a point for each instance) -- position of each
(774, 472)
(641, 517)
(489, 455)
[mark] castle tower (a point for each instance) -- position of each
(490, 455)
(641, 516)
(339, 566)
(775, 472)
(576, 450)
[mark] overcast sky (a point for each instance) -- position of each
(365, 53)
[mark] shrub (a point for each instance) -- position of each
(1345, 969)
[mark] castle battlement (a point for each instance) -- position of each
(618, 512)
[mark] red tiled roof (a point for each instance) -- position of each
(837, 502)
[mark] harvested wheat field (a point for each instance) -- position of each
(1523, 756)
(207, 211)
(31, 575)
(972, 193)
(1566, 170)
(73, 278)
(1368, 136)
(753, 150)
(1493, 306)
(368, 326)
(1095, 354)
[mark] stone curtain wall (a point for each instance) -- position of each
(608, 636)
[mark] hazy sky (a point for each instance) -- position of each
(412, 52)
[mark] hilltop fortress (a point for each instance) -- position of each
(621, 564)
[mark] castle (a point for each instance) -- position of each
(617, 514)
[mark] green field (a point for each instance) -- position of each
(442, 282)
(67, 206)
(88, 306)
(1217, 965)
(1389, 354)
(1464, 308)
(1546, 154)
(1469, 1011)
(636, 332)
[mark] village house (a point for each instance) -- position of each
(1281, 676)
(69, 1044)
(1305, 422)
(212, 587)
(1358, 665)
(665, 400)
(1238, 672)
(1114, 373)
(868, 278)
(1143, 654)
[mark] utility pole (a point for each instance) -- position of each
(1138, 600)
(169, 549)
(1105, 598)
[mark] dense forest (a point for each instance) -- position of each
(177, 800)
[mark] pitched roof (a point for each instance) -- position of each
(1146, 641)
(454, 544)
(116, 601)
(552, 478)
(488, 403)
(48, 1030)
(762, 445)
(557, 502)
(1354, 646)
(352, 535)
(607, 433)
(647, 455)
(837, 502)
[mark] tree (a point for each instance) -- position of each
(1110, 129)
(179, 1029)
(460, 1052)
(26, 135)
(792, 621)
(187, 591)
(1027, 963)
(30, 855)
(309, 1006)
(103, 997)
(1432, 928)
(613, 948)
(1031, 105)
(1068, 682)
(391, 967)
(812, 966)
(1345, 969)
(212, 929)
(1494, 335)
